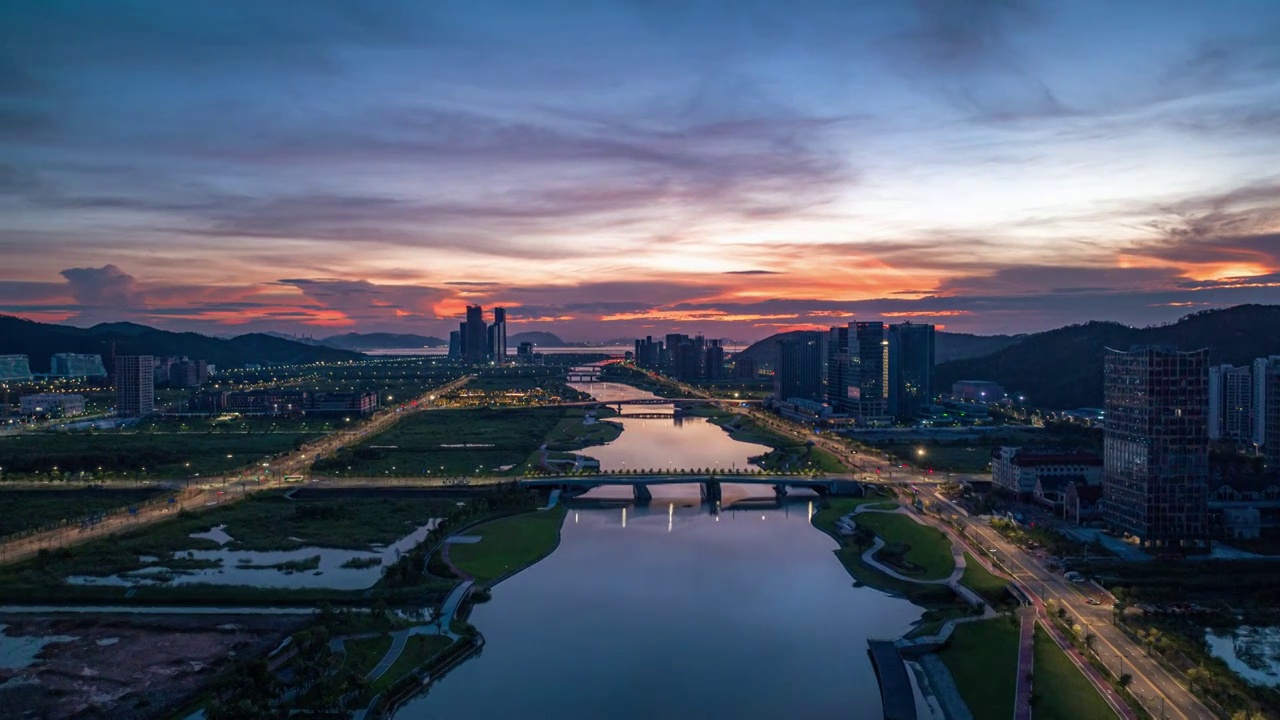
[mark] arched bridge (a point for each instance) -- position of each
(821, 484)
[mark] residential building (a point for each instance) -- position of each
(76, 365)
(476, 345)
(1231, 404)
(686, 357)
(135, 385)
(53, 405)
(979, 390)
(1018, 470)
(649, 353)
(911, 355)
(15, 367)
(188, 373)
(799, 371)
(455, 343)
(744, 367)
(1156, 445)
(714, 361)
(1266, 407)
(498, 336)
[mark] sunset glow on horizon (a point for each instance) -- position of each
(607, 170)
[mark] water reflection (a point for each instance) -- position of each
(688, 616)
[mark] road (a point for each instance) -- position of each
(1156, 689)
(1159, 693)
(210, 494)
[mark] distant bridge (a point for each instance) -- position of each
(823, 485)
(660, 401)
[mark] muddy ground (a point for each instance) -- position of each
(130, 667)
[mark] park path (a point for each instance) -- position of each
(1026, 664)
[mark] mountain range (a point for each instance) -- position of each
(1062, 368)
(947, 346)
(39, 341)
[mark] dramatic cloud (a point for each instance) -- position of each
(715, 166)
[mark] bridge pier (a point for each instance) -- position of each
(780, 490)
(641, 494)
(711, 492)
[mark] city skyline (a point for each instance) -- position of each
(638, 168)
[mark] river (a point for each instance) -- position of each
(670, 611)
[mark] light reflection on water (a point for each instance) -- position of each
(669, 611)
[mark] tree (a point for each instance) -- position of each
(1126, 680)
(1090, 639)
(249, 693)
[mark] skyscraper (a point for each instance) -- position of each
(499, 350)
(714, 361)
(476, 344)
(135, 385)
(799, 370)
(455, 343)
(838, 388)
(1231, 404)
(1156, 445)
(869, 372)
(910, 369)
(1266, 404)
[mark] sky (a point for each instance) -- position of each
(609, 169)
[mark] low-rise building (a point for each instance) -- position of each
(1244, 501)
(53, 405)
(979, 390)
(353, 403)
(1018, 470)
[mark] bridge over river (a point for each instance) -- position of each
(821, 484)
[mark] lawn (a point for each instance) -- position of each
(32, 509)
(983, 658)
(851, 556)
(509, 544)
(572, 433)
(125, 453)
(1061, 691)
(977, 578)
(364, 654)
(923, 547)
(267, 521)
(450, 443)
(418, 650)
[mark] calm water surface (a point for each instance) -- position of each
(676, 615)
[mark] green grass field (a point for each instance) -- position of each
(927, 548)
(983, 658)
(418, 650)
(124, 453)
(261, 522)
(572, 434)
(1061, 691)
(364, 654)
(450, 443)
(509, 544)
(977, 578)
(32, 509)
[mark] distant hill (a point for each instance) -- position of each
(544, 339)
(947, 346)
(1062, 368)
(958, 346)
(39, 341)
(379, 341)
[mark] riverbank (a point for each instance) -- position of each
(508, 546)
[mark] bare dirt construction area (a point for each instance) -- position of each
(123, 666)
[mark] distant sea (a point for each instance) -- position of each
(618, 350)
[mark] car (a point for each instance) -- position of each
(1094, 601)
